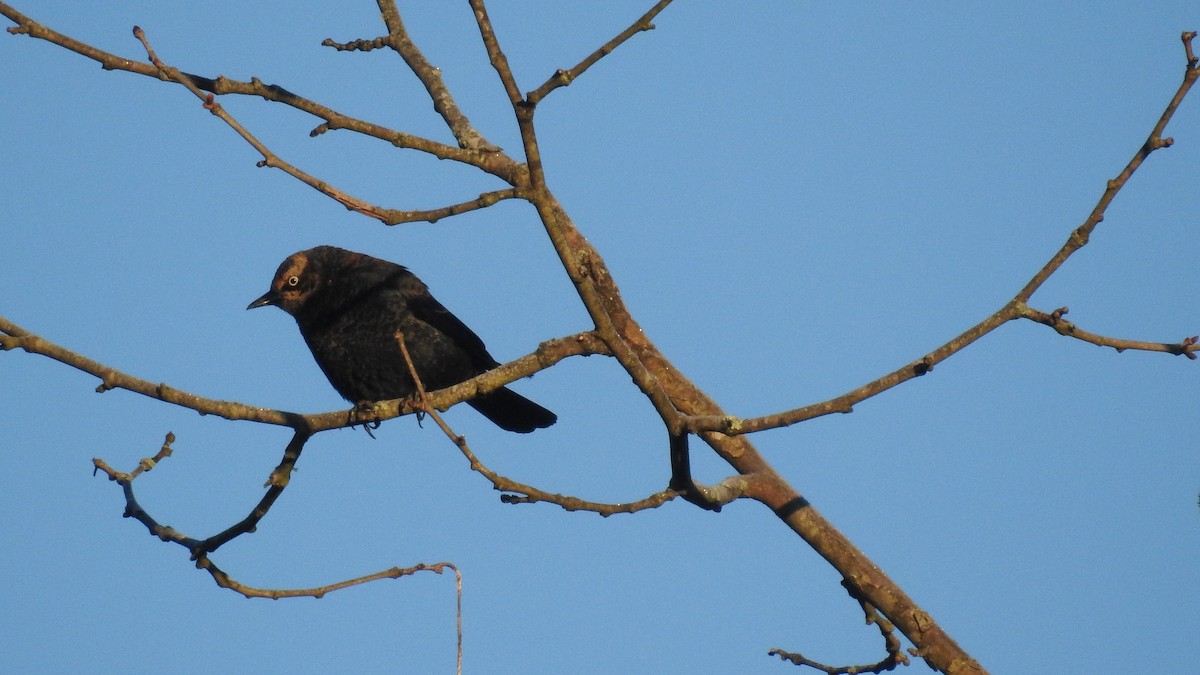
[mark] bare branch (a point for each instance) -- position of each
(497, 58)
(1016, 308)
(527, 494)
(335, 120)
(270, 159)
(891, 643)
(275, 484)
(484, 200)
(467, 136)
(562, 78)
(1079, 237)
(224, 85)
(225, 581)
(845, 403)
(642, 376)
(488, 160)
(1186, 347)
(547, 354)
(278, 481)
(13, 336)
(200, 549)
(520, 493)
(358, 45)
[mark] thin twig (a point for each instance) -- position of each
(270, 159)
(223, 580)
(497, 58)
(396, 217)
(1186, 347)
(562, 78)
(1079, 237)
(845, 402)
(276, 483)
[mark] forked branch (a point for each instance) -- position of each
(200, 549)
(1014, 309)
(514, 491)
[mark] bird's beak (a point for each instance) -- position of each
(268, 298)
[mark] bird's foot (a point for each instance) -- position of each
(418, 404)
(365, 413)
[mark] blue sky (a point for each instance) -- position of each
(795, 199)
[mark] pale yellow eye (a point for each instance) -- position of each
(293, 281)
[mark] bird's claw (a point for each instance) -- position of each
(367, 414)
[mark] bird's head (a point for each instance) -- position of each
(295, 281)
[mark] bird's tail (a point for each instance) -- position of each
(513, 412)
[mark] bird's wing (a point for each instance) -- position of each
(426, 308)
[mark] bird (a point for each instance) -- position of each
(350, 306)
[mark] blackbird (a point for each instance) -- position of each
(349, 307)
